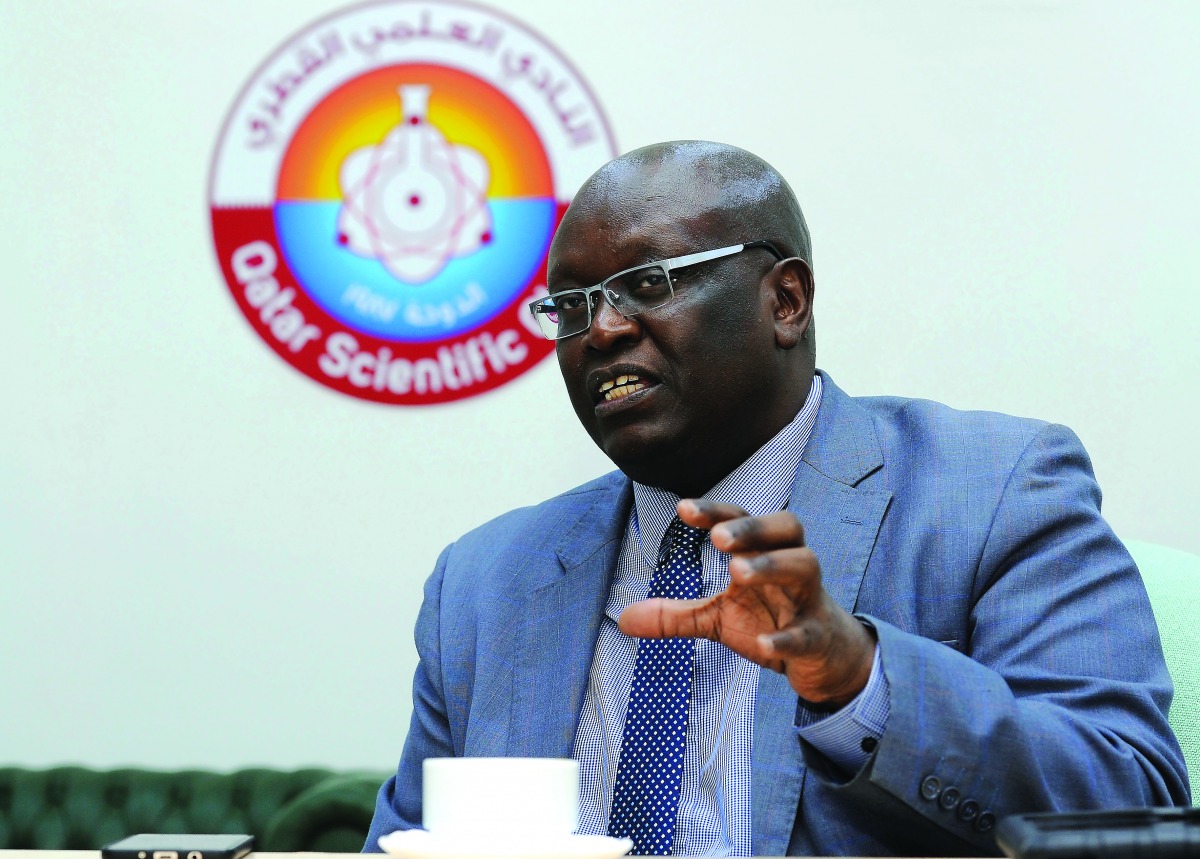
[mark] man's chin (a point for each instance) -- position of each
(662, 466)
(642, 460)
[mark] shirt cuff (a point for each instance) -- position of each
(849, 736)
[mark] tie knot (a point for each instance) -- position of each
(681, 537)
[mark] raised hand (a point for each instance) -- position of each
(775, 611)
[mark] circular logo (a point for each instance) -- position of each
(384, 192)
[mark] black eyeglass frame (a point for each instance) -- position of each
(544, 305)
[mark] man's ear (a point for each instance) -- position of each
(791, 281)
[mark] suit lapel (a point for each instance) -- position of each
(832, 497)
(554, 647)
(841, 521)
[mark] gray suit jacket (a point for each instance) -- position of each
(1023, 660)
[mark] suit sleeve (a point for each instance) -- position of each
(1058, 700)
(398, 805)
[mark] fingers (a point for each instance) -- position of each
(801, 639)
(794, 567)
(775, 611)
(826, 662)
(667, 618)
(732, 529)
(701, 513)
(759, 533)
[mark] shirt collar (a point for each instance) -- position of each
(760, 485)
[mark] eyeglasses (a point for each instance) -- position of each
(630, 292)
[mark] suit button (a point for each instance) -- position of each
(986, 822)
(931, 787)
(950, 798)
(968, 810)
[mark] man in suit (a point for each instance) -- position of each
(901, 621)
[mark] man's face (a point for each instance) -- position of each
(706, 365)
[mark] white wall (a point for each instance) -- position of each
(206, 559)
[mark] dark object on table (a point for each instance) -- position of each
(167, 846)
(1135, 833)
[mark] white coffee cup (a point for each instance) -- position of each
(480, 797)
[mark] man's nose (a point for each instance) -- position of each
(609, 327)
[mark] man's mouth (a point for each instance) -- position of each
(621, 386)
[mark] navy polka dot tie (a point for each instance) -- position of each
(646, 795)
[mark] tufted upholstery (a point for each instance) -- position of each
(72, 808)
(1172, 579)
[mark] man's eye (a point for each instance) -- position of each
(645, 283)
(651, 280)
(567, 303)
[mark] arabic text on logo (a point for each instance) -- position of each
(384, 192)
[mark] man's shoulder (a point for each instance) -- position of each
(917, 414)
(527, 526)
(919, 441)
(914, 422)
(930, 437)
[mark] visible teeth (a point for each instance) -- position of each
(623, 390)
(620, 380)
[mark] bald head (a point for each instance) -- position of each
(734, 190)
(680, 393)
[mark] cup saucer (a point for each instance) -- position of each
(421, 844)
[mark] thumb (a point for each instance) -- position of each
(667, 618)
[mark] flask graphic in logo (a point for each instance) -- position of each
(415, 200)
(384, 192)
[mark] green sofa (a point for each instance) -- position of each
(1172, 580)
(73, 808)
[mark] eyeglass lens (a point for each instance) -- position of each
(630, 292)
